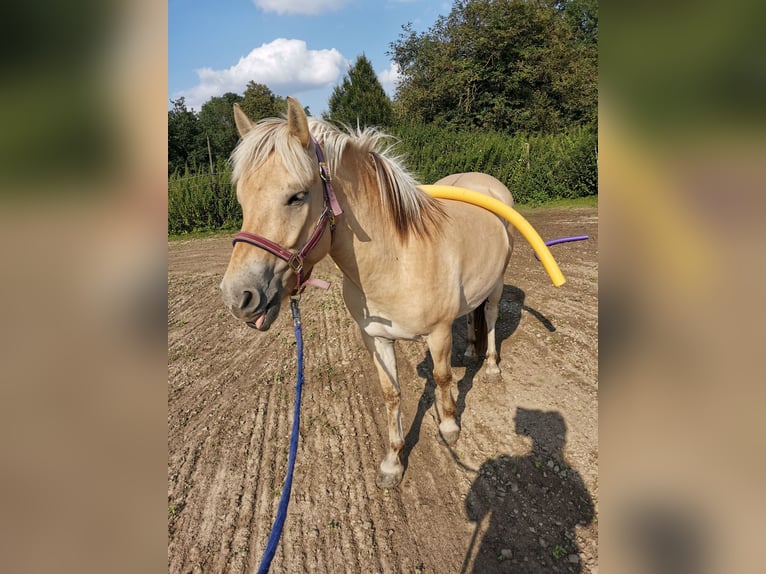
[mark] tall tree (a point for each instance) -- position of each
(189, 132)
(502, 64)
(582, 16)
(184, 137)
(360, 98)
(216, 119)
(260, 102)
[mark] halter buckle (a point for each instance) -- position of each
(324, 173)
(295, 263)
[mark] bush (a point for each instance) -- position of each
(199, 202)
(536, 168)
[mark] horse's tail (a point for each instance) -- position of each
(480, 329)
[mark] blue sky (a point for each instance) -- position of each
(299, 48)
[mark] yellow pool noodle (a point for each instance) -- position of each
(507, 213)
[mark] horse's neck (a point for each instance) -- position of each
(364, 244)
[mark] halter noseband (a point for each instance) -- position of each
(295, 260)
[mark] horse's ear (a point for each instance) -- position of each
(297, 123)
(244, 124)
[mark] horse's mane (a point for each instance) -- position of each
(409, 209)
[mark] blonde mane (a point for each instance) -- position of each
(409, 209)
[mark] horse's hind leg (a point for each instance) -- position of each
(440, 344)
(382, 350)
(470, 347)
(491, 312)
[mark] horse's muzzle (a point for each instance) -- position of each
(256, 307)
(265, 318)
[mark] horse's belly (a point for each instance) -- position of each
(375, 319)
(381, 327)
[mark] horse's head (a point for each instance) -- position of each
(280, 191)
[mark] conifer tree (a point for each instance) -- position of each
(360, 98)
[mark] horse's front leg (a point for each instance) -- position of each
(382, 351)
(440, 344)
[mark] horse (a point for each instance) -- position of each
(411, 263)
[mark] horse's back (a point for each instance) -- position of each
(486, 184)
(481, 182)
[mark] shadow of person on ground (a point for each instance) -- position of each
(533, 501)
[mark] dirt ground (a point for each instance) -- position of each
(517, 493)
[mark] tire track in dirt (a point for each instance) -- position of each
(245, 476)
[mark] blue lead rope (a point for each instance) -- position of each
(279, 521)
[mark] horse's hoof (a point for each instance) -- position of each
(449, 437)
(492, 374)
(387, 480)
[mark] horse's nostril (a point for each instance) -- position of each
(247, 297)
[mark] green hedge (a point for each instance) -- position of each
(201, 202)
(536, 168)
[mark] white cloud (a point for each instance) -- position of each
(390, 78)
(311, 7)
(285, 66)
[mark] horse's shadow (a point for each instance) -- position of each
(511, 307)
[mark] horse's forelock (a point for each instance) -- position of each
(267, 137)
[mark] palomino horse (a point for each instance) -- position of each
(411, 264)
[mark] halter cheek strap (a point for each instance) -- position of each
(324, 173)
(295, 260)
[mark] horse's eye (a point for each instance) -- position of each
(298, 198)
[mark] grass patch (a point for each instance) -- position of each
(202, 234)
(561, 203)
